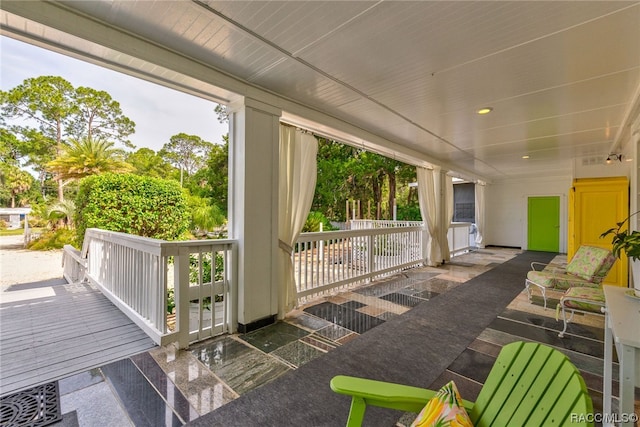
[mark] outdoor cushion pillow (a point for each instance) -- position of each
(584, 298)
(591, 263)
(444, 409)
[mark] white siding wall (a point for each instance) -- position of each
(506, 208)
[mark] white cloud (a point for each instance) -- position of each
(158, 112)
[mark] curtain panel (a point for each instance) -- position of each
(448, 216)
(480, 189)
(297, 182)
(429, 211)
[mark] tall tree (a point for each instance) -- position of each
(216, 175)
(335, 172)
(149, 163)
(348, 173)
(223, 113)
(31, 149)
(46, 101)
(11, 148)
(87, 157)
(186, 152)
(44, 112)
(100, 117)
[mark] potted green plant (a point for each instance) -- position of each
(628, 241)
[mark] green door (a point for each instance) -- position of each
(543, 223)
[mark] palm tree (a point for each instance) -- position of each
(62, 212)
(205, 216)
(85, 157)
(16, 181)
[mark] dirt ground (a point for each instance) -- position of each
(18, 265)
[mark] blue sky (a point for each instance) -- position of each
(158, 112)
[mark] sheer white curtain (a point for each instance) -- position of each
(297, 181)
(480, 187)
(429, 210)
(448, 216)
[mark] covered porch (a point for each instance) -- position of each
(420, 111)
(409, 328)
(553, 127)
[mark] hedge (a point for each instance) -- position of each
(132, 204)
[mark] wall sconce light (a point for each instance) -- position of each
(611, 157)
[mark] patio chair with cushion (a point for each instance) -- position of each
(529, 385)
(588, 267)
(583, 299)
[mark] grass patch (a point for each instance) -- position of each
(20, 231)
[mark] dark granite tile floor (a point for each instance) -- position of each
(211, 373)
(402, 299)
(549, 337)
(142, 403)
(473, 365)
(164, 386)
(388, 286)
(299, 352)
(241, 366)
(344, 316)
(274, 336)
(538, 320)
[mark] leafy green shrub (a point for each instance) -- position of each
(409, 213)
(312, 224)
(206, 268)
(131, 204)
(171, 301)
(52, 240)
(205, 215)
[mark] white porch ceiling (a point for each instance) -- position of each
(563, 77)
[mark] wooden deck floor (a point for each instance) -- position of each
(50, 330)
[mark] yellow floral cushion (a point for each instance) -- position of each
(444, 409)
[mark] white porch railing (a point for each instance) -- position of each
(137, 274)
(461, 237)
(336, 259)
(73, 264)
(460, 234)
(366, 224)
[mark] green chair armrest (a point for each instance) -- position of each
(386, 395)
(379, 393)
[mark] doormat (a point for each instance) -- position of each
(35, 407)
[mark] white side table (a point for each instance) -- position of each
(622, 329)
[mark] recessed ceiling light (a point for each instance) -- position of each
(525, 156)
(485, 110)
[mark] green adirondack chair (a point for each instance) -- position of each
(529, 385)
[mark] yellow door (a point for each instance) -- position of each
(600, 203)
(571, 239)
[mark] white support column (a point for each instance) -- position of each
(253, 208)
(181, 295)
